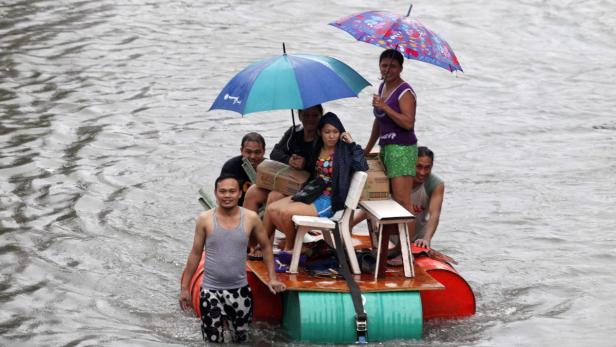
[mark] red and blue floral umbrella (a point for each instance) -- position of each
(413, 39)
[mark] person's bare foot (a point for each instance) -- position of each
(396, 261)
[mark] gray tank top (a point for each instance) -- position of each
(225, 256)
(421, 196)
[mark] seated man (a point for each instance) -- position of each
(427, 199)
(253, 149)
(294, 149)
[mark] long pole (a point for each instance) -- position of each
(284, 52)
(392, 53)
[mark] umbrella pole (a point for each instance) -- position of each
(284, 51)
(409, 11)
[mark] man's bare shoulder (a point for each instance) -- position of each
(205, 217)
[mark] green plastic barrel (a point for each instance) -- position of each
(322, 317)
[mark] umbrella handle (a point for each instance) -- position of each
(409, 11)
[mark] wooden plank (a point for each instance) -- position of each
(393, 280)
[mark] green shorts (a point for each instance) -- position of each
(399, 160)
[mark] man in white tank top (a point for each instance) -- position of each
(225, 293)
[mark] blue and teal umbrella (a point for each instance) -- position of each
(289, 81)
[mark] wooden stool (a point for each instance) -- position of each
(389, 212)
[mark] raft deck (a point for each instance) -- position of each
(394, 280)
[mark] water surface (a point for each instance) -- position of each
(105, 139)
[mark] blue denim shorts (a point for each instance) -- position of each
(323, 204)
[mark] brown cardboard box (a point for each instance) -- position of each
(377, 184)
(274, 175)
(374, 164)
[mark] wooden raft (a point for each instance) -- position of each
(393, 281)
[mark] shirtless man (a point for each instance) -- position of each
(224, 232)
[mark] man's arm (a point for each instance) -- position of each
(194, 257)
(279, 153)
(268, 256)
(436, 203)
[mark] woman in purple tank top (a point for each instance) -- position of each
(394, 123)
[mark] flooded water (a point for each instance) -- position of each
(105, 139)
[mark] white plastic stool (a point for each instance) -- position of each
(387, 212)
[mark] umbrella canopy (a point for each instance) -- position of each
(294, 81)
(413, 39)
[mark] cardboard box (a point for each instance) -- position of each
(374, 164)
(377, 184)
(274, 175)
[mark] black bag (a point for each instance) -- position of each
(367, 260)
(310, 191)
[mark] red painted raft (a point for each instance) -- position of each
(457, 300)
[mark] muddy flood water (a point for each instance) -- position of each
(105, 139)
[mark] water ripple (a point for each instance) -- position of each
(105, 138)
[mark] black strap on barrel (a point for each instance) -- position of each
(361, 319)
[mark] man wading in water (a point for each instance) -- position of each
(224, 231)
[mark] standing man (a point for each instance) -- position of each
(253, 149)
(224, 231)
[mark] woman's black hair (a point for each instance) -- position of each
(332, 119)
(392, 54)
(423, 151)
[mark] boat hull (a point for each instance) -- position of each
(457, 300)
